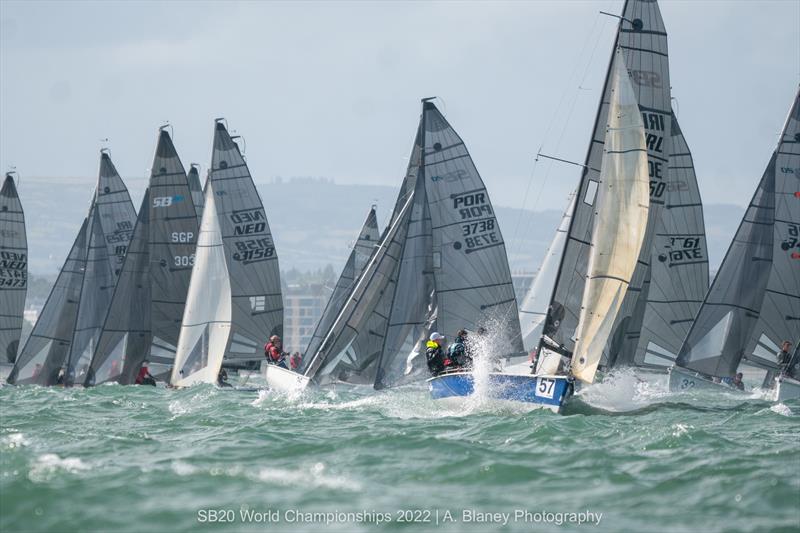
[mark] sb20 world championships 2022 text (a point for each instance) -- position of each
(408, 516)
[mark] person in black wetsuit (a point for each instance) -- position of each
(434, 353)
(222, 378)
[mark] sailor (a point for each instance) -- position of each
(785, 358)
(435, 353)
(222, 378)
(736, 383)
(144, 377)
(295, 360)
(458, 353)
(274, 353)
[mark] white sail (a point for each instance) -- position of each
(533, 309)
(619, 225)
(207, 315)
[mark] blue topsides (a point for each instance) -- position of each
(548, 391)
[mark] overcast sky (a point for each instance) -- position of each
(332, 88)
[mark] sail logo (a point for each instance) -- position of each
(166, 201)
(646, 78)
(790, 170)
(451, 177)
(249, 222)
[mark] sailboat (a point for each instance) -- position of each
(678, 277)
(619, 224)
(348, 368)
(63, 338)
(533, 309)
(108, 233)
(155, 279)
(440, 265)
(13, 272)
(753, 304)
(234, 299)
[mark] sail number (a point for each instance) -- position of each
(13, 268)
(545, 387)
(687, 384)
(184, 260)
(473, 228)
(473, 205)
(251, 250)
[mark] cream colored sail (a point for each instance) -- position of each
(619, 225)
(207, 316)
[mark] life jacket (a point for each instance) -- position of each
(272, 352)
(142, 374)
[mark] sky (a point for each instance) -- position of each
(333, 89)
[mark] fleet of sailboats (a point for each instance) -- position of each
(190, 288)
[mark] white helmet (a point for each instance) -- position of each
(436, 336)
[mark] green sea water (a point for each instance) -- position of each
(118, 458)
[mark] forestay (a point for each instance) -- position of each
(620, 223)
(45, 351)
(13, 270)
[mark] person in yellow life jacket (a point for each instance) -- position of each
(435, 353)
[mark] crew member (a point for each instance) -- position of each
(736, 382)
(295, 360)
(457, 353)
(785, 358)
(435, 353)
(222, 378)
(144, 377)
(274, 353)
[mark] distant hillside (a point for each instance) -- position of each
(313, 221)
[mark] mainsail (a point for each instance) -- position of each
(533, 309)
(231, 325)
(442, 261)
(125, 338)
(13, 269)
(620, 223)
(754, 299)
(172, 239)
(643, 40)
(109, 228)
(678, 277)
(356, 261)
(155, 279)
(45, 351)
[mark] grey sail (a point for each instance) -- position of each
(643, 40)
(198, 198)
(13, 270)
(756, 292)
(109, 230)
(173, 237)
(46, 350)
(678, 277)
(257, 302)
(376, 283)
(125, 338)
(533, 308)
(356, 261)
(779, 319)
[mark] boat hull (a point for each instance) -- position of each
(282, 380)
(684, 380)
(786, 388)
(545, 392)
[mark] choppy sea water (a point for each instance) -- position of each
(139, 458)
